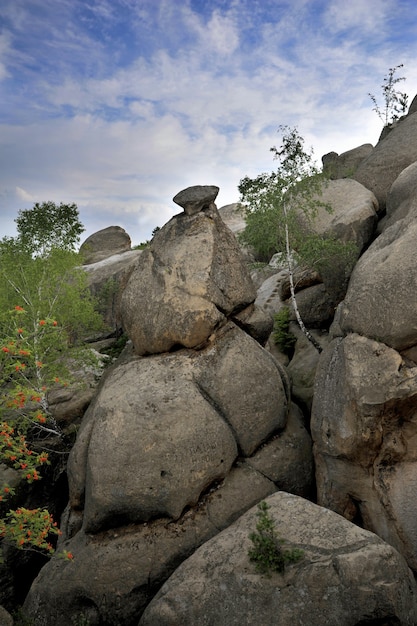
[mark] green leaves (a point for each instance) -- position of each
(267, 552)
(395, 102)
(47, 226)
(273, 200)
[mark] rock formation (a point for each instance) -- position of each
(105, 243)
(330, 584)
(165, 433)
(197, 421)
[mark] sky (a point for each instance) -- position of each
(117, 105)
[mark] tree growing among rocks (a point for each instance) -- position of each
(395, 102)
(46, 310)
(280, 210)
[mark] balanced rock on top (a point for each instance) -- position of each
(188, 282)
(196, 198)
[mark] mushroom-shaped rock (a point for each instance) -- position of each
(186, 284)
(196, 198)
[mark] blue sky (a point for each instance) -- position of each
(117, 105)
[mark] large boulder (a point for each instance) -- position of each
(115, 573)
(186, 284)
(178, 434)
(364, 430)
(107, 279)
(233, 215)
(402, 197)
(329, 585)
(105, 243)
(389, 158)
(353, 214)
(381, 300)
(287, 458)
(345, 165)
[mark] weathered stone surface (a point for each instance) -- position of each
(353, 212)
(196, 198)
(254, 401)
(316, 306)
(402, 197)
(389, 158)
(302, 367)
(268, 297)
(329, 585)
(287, 459)
(115, 574)
(381, 300)
(303, 277)
(345, 165)
(364, 428)
(176, 425)
(105, 243)
(5, 618)
(174, 448)
(186, 284)
(107, 279)
(233, 215)
(256, 322)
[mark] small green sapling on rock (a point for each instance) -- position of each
(267, 551)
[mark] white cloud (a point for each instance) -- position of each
(200, 105)
(24, 195)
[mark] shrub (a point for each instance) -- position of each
(282, 337)
(267, 552)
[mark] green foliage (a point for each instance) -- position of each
(46, 311)
(274, 201)
(80, 620)
(51, 286)
(395, 102)
(281, 207)
(282, 337)
(47, 226)
(331, 258)
(267, 552)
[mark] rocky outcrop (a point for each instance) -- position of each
(104, 243)
(345, 165)
(364, 430)
(107, 280)
(187, 283)
(165, 435)
(196, 422)
(381, 301)
(389, 158)
(353, 212)
(402, 197)
(329, 585)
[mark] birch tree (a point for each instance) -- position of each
(274, 202)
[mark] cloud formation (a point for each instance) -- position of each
(117, 105)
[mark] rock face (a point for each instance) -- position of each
(168, 454)
(345, 165)
(107, 280)
(329, 585)
(196, 422)
(105, 243)
(197, 198)
(389, 158)
(187, 283)
(353, 212)
(364, 427)
(381, 302)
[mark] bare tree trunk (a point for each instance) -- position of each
(292, 290)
